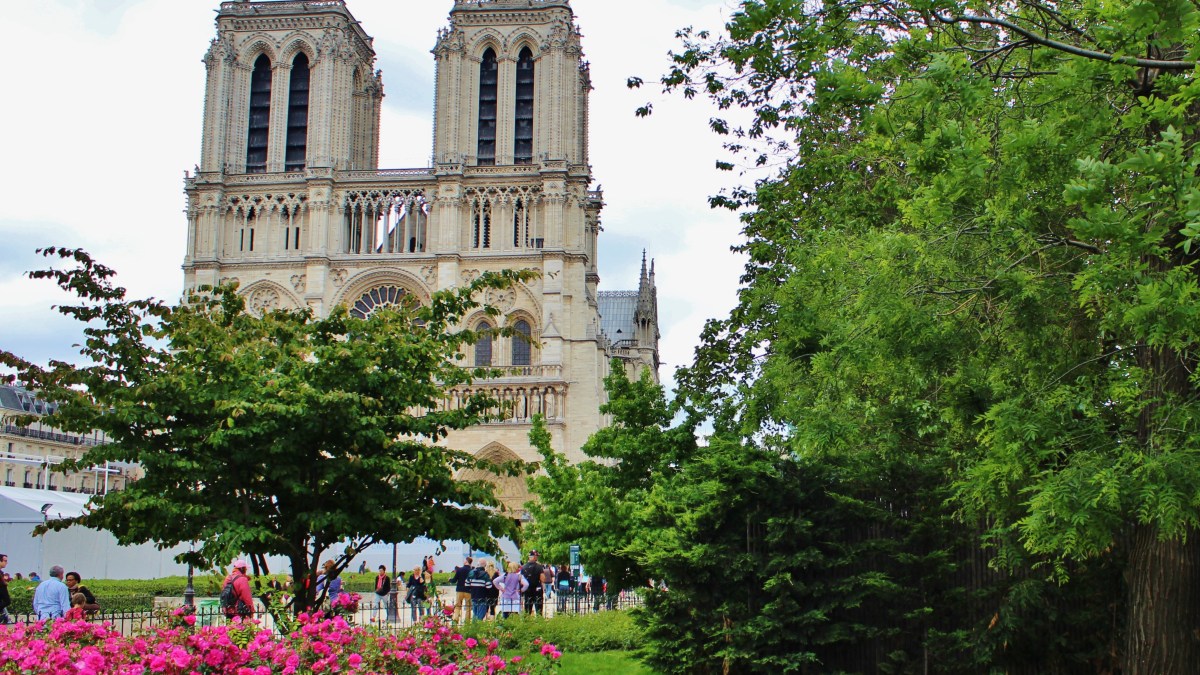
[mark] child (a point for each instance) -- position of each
(76, 612)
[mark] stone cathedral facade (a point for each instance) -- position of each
(289, 201)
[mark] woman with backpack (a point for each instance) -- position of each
(236, 599)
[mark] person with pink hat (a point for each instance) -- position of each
(241, 601)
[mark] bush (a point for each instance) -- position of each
(603, 631)
(318, 645)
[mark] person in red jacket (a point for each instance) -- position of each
(243, 605)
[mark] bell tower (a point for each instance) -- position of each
(289, 202)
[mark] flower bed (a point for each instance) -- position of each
(318, 644)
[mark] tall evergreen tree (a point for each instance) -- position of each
(981, 246)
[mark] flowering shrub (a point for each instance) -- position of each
(319, 645)
(345, 604)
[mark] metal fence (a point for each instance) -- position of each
(389, 615)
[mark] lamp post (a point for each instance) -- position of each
(190, 591)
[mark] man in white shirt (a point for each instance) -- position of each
(51, 599)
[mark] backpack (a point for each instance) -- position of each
(228, 598)
(231, 604)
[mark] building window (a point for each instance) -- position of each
(297, 121)
(246, 238)
(483, 348)
(260, 116)
(291, 228)
(521, 348)
(489, 76)
(481, 223)
(384, 296)
(523, 132)
(520, 224)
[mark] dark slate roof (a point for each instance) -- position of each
(616, 314)
(17, 399)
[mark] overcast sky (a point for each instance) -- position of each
(103, 116)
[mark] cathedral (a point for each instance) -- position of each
(288, 199)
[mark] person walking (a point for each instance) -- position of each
(511, 586)
(5, 598)
(462, 592)
(331, 579)
(493, 593)
(533, 593)
(416, 592)
(478, 583)
(383, 589)
(51, 599)
(563, 586)
(242, 605)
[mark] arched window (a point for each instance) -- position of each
(260, 116)
(246, 238)
(520, 344)
(481, 223)
(384, 296)
(523, 132)
(297, 122)
(520, 224)
(483, 348)
(489, 76)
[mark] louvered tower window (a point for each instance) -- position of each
(297, 122)
(488, 77)
(520, 344)
(483, 348)
(260, 116)
(523, 133)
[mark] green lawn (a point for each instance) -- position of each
(602, 663)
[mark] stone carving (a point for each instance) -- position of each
(469, 275)
(501, 299)
(263, 300)
(429, 274)
(230, 280)
(338, 277)
(300, 282)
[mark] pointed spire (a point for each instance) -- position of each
(644, 277)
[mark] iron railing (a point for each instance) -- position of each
(394, 614)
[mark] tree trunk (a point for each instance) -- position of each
(1163, 609)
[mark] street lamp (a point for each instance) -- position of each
(189, 592)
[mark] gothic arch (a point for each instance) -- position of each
(267, 295)
(535, 332)
(488, 38)
(520, 39)
(363, 283)
(257, 44)
(298, 42)
(512, 491)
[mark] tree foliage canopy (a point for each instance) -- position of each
(282, 434)
(977, 248)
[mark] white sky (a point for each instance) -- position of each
(103, 115)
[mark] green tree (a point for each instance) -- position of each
(595, 503)
(980, 246)
(280, 434)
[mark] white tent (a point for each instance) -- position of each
(92, 553)
(95, 554)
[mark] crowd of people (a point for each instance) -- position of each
(481, 590)
(62, 595)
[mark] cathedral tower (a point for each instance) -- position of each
(288, 199)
